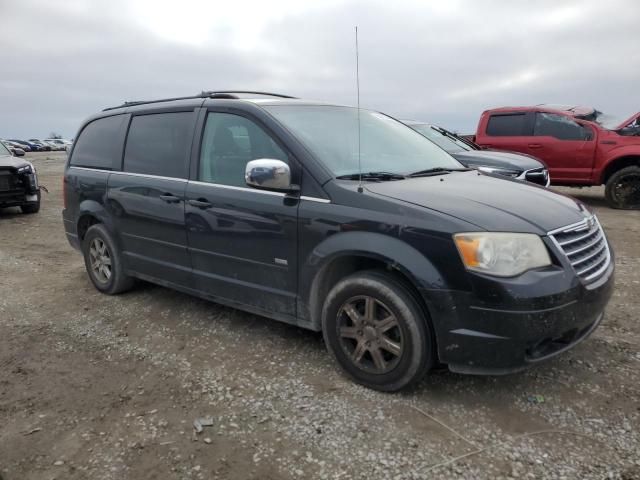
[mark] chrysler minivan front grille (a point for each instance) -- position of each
(585, 246)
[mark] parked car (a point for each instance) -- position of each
(59, 143)
(517, 166)
(31, 146)
(44, 146)
(578, 146)
(400, 255)
(18, 183)
(11, 145)
(16, 150)
(58, 147)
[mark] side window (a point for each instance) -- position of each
(100, 143)
(158, 144)
(228, 143)
(560, 127)
(508, 125)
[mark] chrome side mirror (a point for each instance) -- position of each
(268, 173)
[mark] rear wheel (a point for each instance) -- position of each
(104, 262)
(623, 188)
(377, 332)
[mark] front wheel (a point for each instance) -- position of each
(623, 188)
(377, 332)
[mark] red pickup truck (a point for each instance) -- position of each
(578, 144)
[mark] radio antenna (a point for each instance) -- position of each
(360, 189)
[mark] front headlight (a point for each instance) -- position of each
(500, 171)
(25, 169)
(501, 254)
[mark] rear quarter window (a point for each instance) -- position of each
(508, 125)
(158, 144)
(100, 143)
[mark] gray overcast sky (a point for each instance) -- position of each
(441, 61)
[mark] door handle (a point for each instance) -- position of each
(169, 198)
(200, 203)
(534, 145)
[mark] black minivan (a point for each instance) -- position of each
(338, 220)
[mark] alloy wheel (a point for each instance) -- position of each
(370, 334)
(100, 259)
(627, 190)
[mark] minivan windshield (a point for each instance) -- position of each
(386, 145)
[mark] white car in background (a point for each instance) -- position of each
(59, 143)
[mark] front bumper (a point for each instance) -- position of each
(503, 330)
(16, 198)
(18, 189)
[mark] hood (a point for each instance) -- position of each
(493, 204)
(492, 158)
(13, 162)
(628, 121)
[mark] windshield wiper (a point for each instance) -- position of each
(372, 176)
(453, 136)
(437, 171)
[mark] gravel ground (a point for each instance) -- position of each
(101, 387)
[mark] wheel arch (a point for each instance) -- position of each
(619, 163)
(349, 252)
(91, 212)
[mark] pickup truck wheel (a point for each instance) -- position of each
(623, 188)
(31, 207)
(104, 262)
(376, 331)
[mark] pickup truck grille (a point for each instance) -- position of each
(7, 181)
(585, 246)
(4, 183)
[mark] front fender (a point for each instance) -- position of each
(390, 250)
(614, 156)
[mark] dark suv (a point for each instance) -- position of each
(257, 201)
(18, 183)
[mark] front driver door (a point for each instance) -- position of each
(242, 241)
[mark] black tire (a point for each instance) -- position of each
(623, 189)
(346, 338)
(116, 281)
(31, 207)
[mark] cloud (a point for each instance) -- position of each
(443, 62)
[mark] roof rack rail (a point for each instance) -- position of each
(143, 102)
(231, 94)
